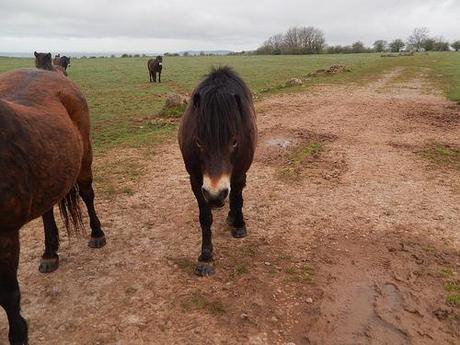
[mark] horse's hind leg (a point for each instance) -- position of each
(10, 297)
(50, 258)
(87, 194)
(235, 217)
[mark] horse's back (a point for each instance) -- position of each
(41, 146)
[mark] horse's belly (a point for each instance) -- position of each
(37, 171)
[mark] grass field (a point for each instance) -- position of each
(125, 106)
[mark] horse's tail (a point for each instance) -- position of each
(71, 214)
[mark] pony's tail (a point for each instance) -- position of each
(71, 214)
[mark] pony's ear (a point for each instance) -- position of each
(36, 54)
(238, 103)
(49, 55)
(196, 100)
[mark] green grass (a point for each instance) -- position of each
(302, 274)
(453, 296)
(199, 302)
(297, 159)
(123, 102)
(442, 155)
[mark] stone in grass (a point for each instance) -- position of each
(294, 82)
(175, 100)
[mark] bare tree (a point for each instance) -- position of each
(418, 37)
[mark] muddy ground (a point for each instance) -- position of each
(353, 236)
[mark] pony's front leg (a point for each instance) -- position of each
(10, 297)
(50, 258)
(159, 76)
(235, 217)
(204, 266)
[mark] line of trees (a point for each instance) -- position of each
(310, 40)
(296, 40)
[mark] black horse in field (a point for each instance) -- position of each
(155, 66)
(217, 138)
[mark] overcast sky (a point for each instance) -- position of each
(172, 25)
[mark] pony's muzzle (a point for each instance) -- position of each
(215, 190)
(215, 200)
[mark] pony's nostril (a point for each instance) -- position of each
(224, 194)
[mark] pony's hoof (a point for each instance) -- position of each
(204, 269)
(48, 265)
(239, 232)
(97, 242)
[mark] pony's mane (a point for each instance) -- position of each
(219, 109)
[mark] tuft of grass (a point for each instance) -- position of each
(300, 274)
(297, 159)
(446, 272)
(442, 155)
(239, 270)
(185, 264)
(453, 296)
(199, 302)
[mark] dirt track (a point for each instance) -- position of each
(355, 245)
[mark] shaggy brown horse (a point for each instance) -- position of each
(43, 61)
(217, 138)
(155, 66)
(45, 155)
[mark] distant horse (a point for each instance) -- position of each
(62, 61)
(155, 66)
(45, 155)
(57, 59)
(43, 61)
(217, 138)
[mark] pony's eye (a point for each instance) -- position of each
(234, 143)
(197, 143)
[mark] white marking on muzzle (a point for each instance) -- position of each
(216, 185)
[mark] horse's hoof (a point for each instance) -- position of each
(239, 232)
(48, 265)
(204, 269)
(97, 242)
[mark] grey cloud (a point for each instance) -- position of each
(234, 24)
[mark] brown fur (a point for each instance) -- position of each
(43, 61)
(217, 138)
(45, 152)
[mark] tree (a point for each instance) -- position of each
(296, 40)
(380, 46)
(440, 44)
(397, 45)
(358, 47)
(428, 44)
(418, 37)
(456, 45)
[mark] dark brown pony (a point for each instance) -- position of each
(62, 61)
(217, 138)
(45, 155)
(43, 61)
(155, 66)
